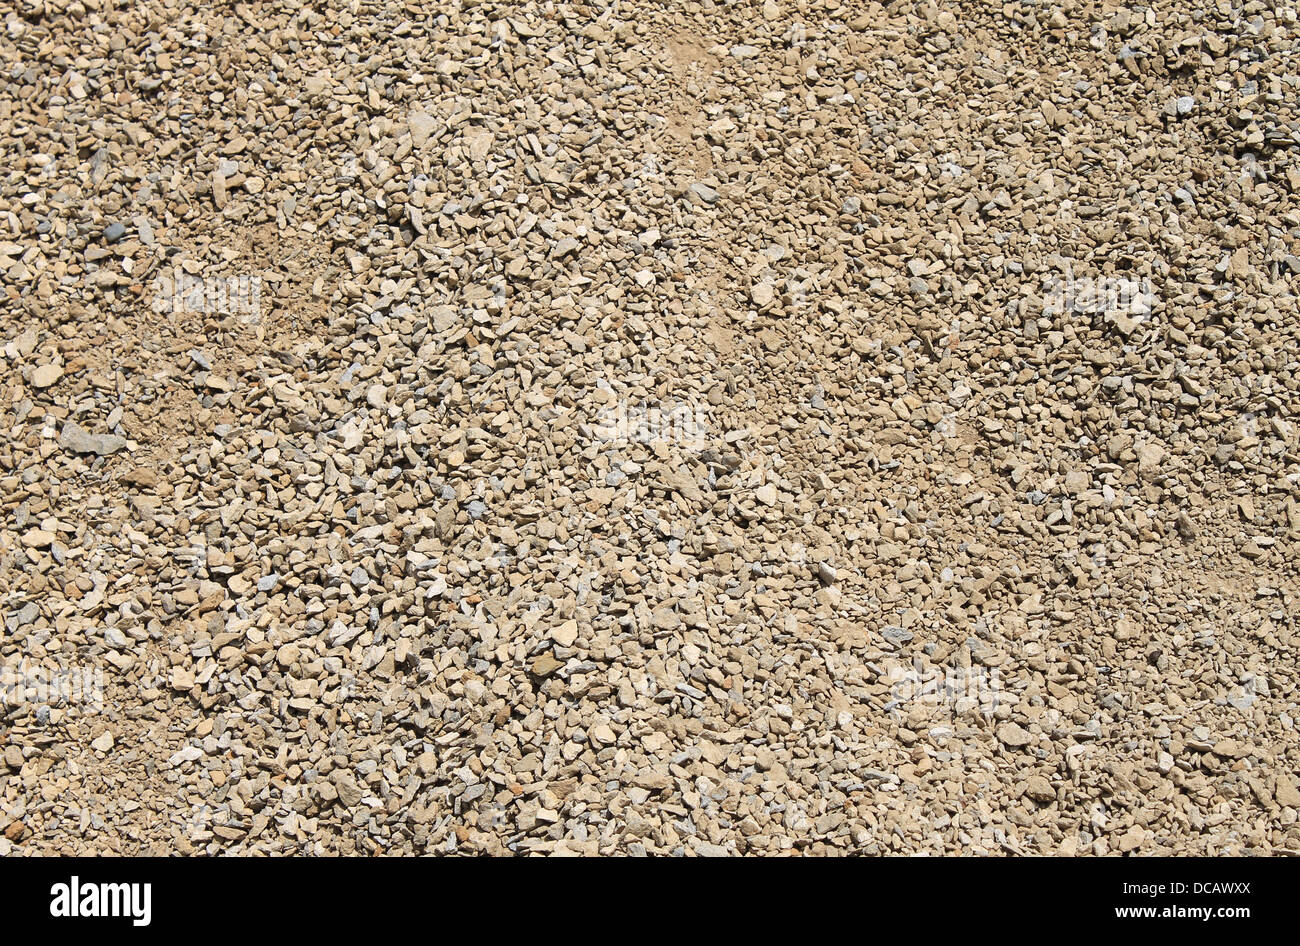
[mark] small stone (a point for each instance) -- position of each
(1131, 840)
(46, 375)
(1150, 456)
(565, 634)
(26, 615)
(1012, 735)
(1286, 793)
(897, 636)
(422, 128)
(705, 193)
(1231, 749)
(545, 665)
(77, 440)
(186, 754)
(345, 784)
(1040, 789)
(38, 539)
(145, 479)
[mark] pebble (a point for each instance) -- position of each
(46, 375)
(565, 634)
(1013, 736)
(706, 193)
(77, 440)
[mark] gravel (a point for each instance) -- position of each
(672, 429)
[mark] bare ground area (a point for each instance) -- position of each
(699, 428)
